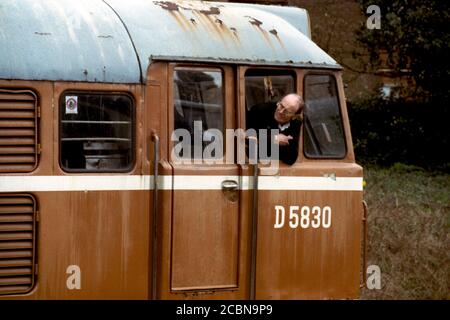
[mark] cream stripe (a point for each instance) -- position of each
(201, 182)
(310, 183)
(73, 183)
(191, 182)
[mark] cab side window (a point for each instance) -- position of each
(324, 133)
(263, 86)
(96, 132)
(264, 90)
(198, 104)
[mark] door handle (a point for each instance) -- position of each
(229, 185)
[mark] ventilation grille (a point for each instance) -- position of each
(18, 131)
(17, 243)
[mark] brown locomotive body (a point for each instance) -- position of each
(92, 205)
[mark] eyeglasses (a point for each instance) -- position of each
(283, 110)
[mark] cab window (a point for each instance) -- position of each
(263, 86)
(198, 106)
(323, 129)
(96, 132)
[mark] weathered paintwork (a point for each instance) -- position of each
(64, 40)
(115, 41)
(298, 17)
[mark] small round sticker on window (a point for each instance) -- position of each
(72, 104)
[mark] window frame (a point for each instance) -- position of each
(171, 102)
(260, 71)
(133, 110)
(344, 137)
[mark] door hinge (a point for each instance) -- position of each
(38, 111)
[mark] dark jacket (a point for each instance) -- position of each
(261, 116)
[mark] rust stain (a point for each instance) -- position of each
(207, 17)
(180, 19)
(202, 20)
(266, 37)
(216, 29)
(212, 10)
(177, 19)
(167, 5)
(275, 33)
(235, 34)
(171, 6)
(224, 30)
(254, 21)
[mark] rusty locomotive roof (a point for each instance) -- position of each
(115, 40)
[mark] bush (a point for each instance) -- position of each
(390, 131)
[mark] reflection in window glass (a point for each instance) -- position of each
(266, 88)
(324, 135)
(198, 96)
(96, 132)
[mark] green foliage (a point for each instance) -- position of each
(389, 131)
(415, 35)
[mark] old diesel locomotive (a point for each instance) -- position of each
(92, 205)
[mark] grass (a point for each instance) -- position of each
(409, 221)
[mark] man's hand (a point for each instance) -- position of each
(282, 139)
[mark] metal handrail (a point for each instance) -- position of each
(254, 225)
(364, 253)
(155, 140)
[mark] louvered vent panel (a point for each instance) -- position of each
(18, 131)
(17, 243)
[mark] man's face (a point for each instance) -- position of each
(286, 109)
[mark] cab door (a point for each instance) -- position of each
(202, 252)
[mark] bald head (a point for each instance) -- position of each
(287, 107)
